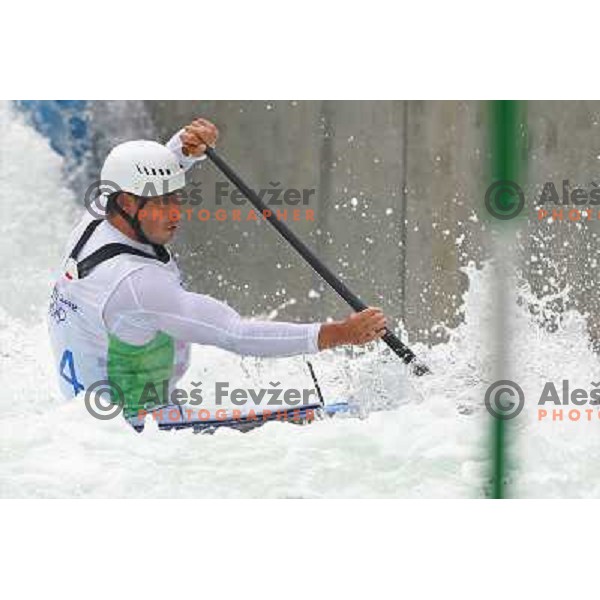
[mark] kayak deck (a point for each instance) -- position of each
(301, 415)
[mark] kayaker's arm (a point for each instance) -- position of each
(151, 300)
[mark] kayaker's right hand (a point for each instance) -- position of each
(358, 329)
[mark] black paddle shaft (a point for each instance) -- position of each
(405, 353)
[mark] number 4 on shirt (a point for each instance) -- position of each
(67, 372)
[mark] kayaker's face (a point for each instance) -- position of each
(160, 218)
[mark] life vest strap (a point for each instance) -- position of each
(109, 251)
(87, 234)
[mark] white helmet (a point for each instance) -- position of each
(143, 168)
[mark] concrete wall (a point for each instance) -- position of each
(564, 143)
(398, 204)
(398, 188)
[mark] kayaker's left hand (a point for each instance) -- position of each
(199, 134)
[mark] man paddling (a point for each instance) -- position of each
(118, 311)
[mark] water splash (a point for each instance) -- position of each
(431, 442)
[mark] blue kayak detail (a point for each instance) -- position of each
(296, 415)
(337, 408)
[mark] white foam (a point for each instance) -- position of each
(432, 443)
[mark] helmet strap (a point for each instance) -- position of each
(134, 221)
(137, 226)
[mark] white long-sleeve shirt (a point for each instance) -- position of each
(150, 300)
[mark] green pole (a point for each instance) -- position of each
(508, 143)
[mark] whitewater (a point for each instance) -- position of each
(432, 439)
